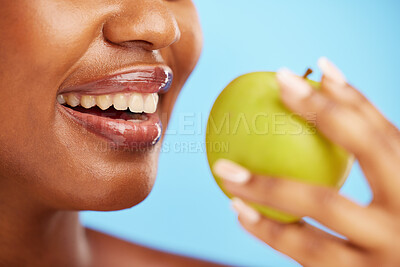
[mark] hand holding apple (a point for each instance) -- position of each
(371, 232)
(249, 125)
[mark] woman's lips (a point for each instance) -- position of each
(134, 134)
(114, 122)
(140, 79)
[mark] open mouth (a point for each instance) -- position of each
(126, 113)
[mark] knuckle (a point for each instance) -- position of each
(262, 185)
(325, 197)
(275, 233)
(269, 183)
(356, 260)
(367, 136)
(389, 238)
(328, 108)
(325, 106)
(272, 233)
(371, 123)
(360, 102)
(391, 131)
(312, 247)
(354, 96)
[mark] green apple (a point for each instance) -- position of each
(249, 125)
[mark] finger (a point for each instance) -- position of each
(300, 241)
(341, 123)
(362, 226)
(334, 84)
(344, 126)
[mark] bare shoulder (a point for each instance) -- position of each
(111, 251)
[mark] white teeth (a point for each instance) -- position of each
(120, 102)
(104, 101)
(136, 102)
(61, 99)
(72, 100)
(88, 101)
(150, 103)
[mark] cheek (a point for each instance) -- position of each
(31, 69)
(187, 51)
(183, 54)
(39, 46)
(47, 37)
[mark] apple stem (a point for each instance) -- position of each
(308, 72)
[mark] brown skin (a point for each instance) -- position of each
(50, 168)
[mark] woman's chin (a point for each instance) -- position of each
(118, 199)
(116, 194)
(110, 181)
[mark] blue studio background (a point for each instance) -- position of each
(186, 213)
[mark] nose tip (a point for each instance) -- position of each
(150, 26)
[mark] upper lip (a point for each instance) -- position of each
(141, 79)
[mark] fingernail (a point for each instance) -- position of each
(294, 84)
(245, 211)
(331, 71)
(231, 171)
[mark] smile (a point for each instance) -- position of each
(122, 109)
(135, 102)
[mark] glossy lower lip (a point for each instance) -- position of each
(120, 133)
(144, 79)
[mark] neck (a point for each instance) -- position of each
(31, 235)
